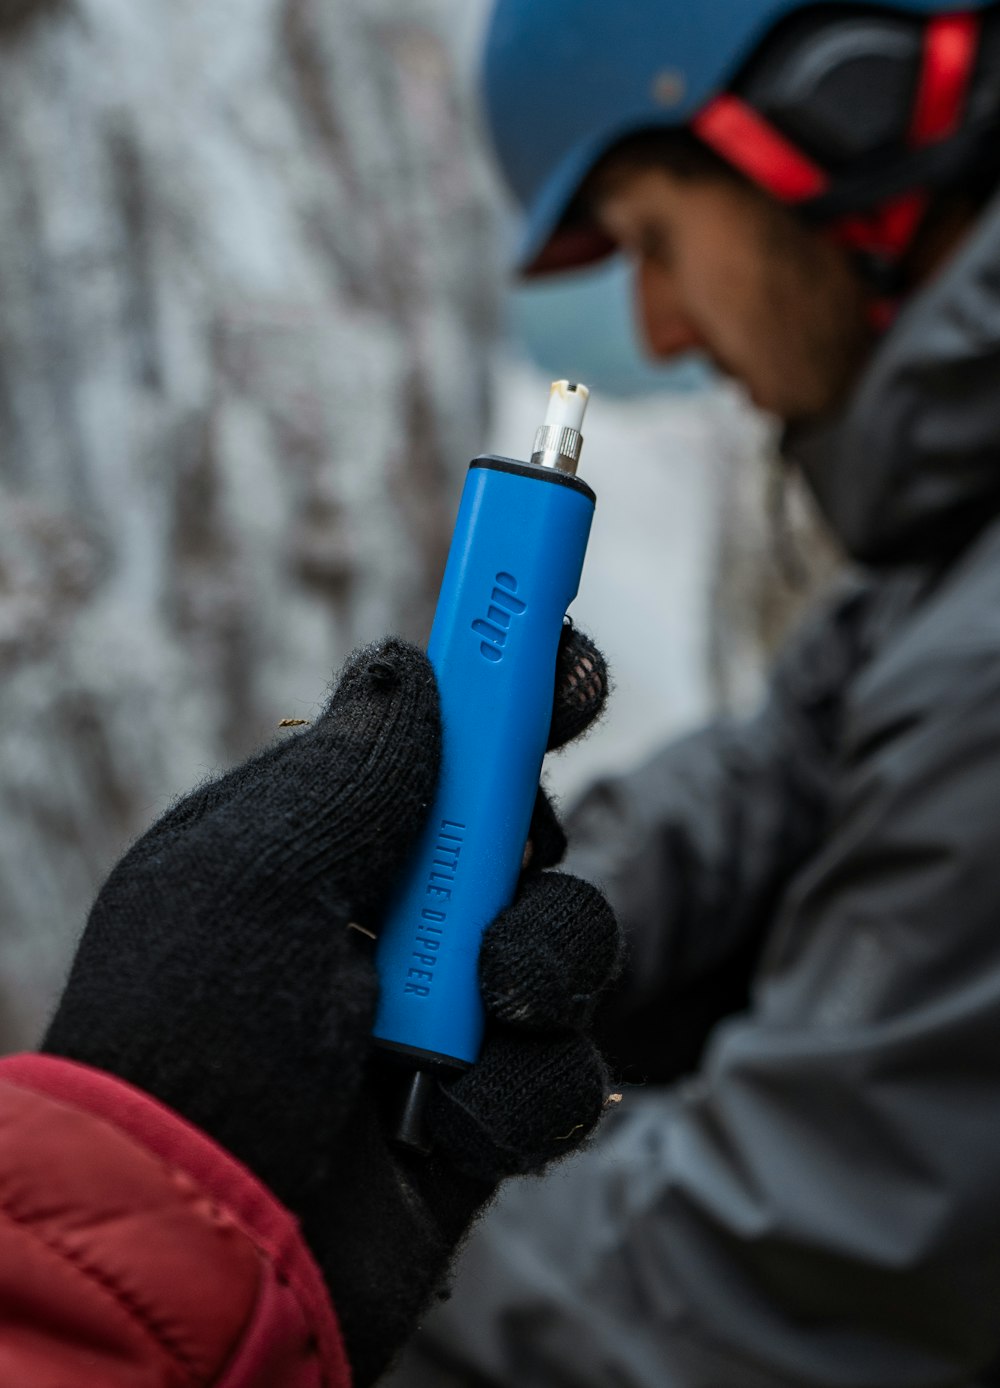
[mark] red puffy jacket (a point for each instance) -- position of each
(136, 1253)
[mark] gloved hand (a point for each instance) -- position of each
(223, 971)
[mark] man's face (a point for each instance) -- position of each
(722, 269)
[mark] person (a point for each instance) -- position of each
(804, 1194)
(195, 1177)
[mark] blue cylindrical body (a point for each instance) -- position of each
(513, 569)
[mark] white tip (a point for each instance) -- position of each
(567, 405)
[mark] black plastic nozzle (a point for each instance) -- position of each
(410, 1130)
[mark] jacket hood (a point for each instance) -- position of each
(910, 469)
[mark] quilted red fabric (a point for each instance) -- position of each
(136, 1253)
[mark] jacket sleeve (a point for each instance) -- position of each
(694, 848)
(135, 1253)
(819, 1207)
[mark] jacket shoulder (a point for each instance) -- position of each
(944, 655)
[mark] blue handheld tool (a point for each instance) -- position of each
(513, 569)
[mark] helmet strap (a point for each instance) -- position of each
(881, 236)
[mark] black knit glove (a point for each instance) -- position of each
(223, 970)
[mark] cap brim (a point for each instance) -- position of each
(556, 236)
(569, 248)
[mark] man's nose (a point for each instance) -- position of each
(666, 330)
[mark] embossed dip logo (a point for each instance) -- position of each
(495, 627)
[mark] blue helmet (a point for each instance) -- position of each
(565, 80)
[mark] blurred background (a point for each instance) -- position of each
(254, 322)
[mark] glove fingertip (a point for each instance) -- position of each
(547, 959)
(358, 785)
(380, 669)
(546, 835)
(583, 685)
(525, 1104)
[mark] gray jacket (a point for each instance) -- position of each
(818, 1205)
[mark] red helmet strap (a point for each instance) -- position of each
(951, 43)
(749, 142)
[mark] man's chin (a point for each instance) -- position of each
(753, 393)
(765, 396)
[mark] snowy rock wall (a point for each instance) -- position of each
(246, 301)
